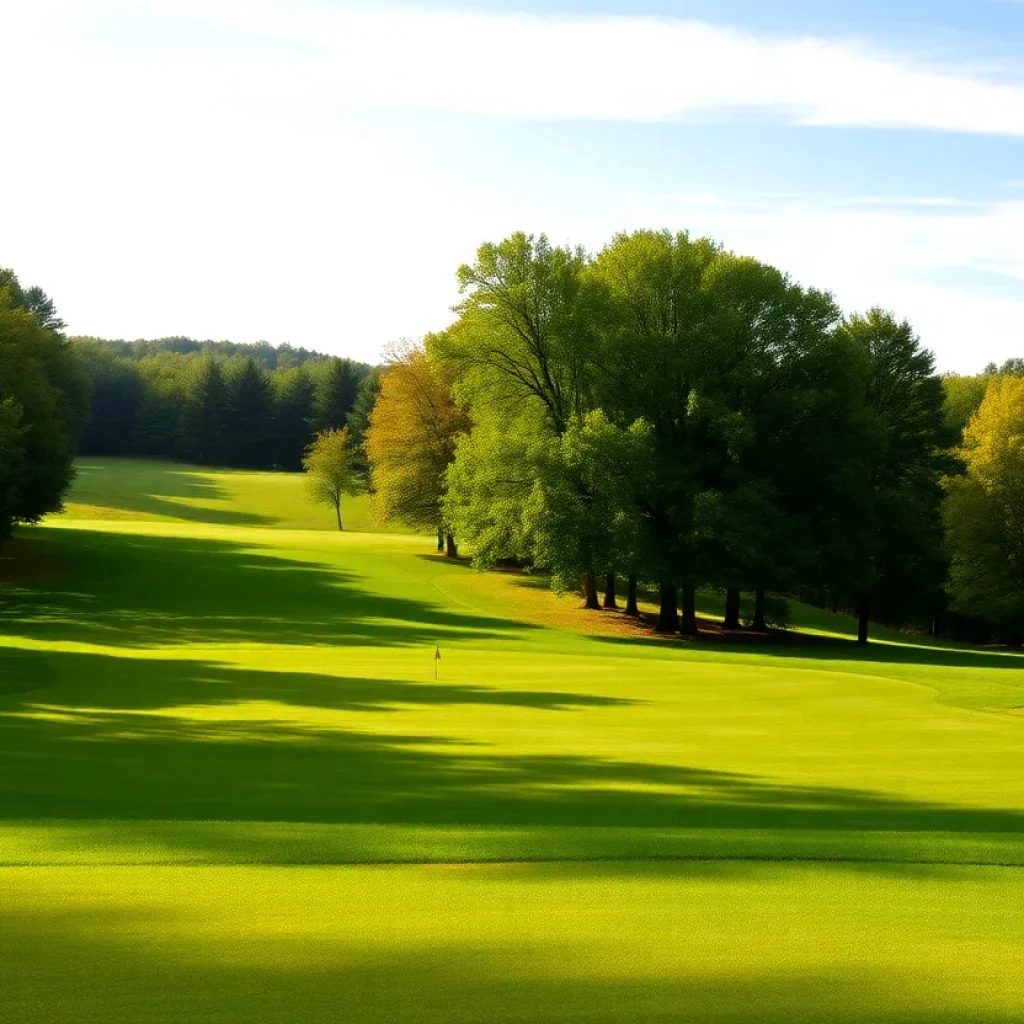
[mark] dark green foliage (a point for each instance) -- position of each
(117, 393)
(359, 417)
(255, 410)
(43, 405)
(204, 416)
(336, 387)
(249, 421)
(293, 413)
(267, 356)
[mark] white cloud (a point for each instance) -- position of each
(156, 186)
(922, 259)
(562, 66)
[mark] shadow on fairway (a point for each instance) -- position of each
(819, 648)
(138, 590)
(176, 740)
(153, 488)
(140, 962)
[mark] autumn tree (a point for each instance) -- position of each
(329, 464)
(984, 512)
(414, 427)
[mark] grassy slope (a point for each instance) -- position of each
(211, 736)
(152, 491)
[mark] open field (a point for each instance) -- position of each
(152, 491)
(231, 789)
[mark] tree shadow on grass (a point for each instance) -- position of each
(137, 959)
(161, 490)
(138, 590)
(138, 955)
(821, 648)
(126, 738)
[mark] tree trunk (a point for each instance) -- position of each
(759, 625)
(452, 551)
(631, 605)
(863, 614)
(689, 623)
(732, 609)
(609, 591)
(835, 603)
(668, 613)
(440, 539)
(591, 599)
(337, 512)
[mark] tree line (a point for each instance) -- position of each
(673, 415)
(218, 404)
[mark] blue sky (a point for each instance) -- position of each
(314, 171)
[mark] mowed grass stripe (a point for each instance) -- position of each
(76, 843)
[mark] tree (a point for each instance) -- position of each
(898, 565)
(336, 385)
(524, 329)
(293, 413)
(581, 517)
(963, 397)
(204, 415)
(249, 419)
(359, 418)
(117, 390)
(414, 428)
(43, 407)
(330, 472)
(984, 512)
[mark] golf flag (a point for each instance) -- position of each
(437, 657)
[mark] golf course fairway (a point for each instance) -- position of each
(238, 784)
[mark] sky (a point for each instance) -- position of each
(315, 171)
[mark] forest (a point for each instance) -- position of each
(663, 416)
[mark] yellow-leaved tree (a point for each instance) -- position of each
(414, 428)
(984, 512)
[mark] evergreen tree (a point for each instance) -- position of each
(250, 424)
(204, 415)
(293, 411)
(337, 384)
(117, 391)
(359, 417)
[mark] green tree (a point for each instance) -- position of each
(117, 390)
(359, 418)
(293, 413)
(524, 330)
(44, 401)
(204, 414)
(963, 396)
(249, 420)
(984, 512)
(898, 545)
(336, 386)
(581, 517)
(330, 469)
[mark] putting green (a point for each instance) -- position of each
(231, 788)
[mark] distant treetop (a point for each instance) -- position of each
(266, 356)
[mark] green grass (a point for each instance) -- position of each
(231, 789)
(152, 491)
